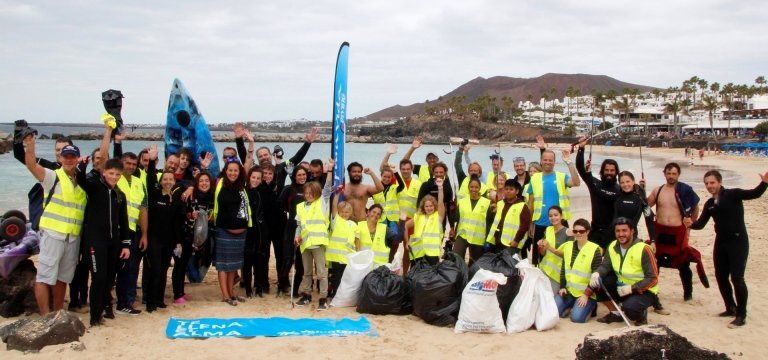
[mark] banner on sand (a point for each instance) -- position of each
(266, 327)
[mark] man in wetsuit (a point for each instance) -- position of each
(602, 195)
(731, 241)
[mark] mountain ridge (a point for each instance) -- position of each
(516, 88)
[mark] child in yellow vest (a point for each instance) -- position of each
(312, 237)
(427, 225)
(344, 240)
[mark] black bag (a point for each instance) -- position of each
(502, 263)
(36, 205)
(437, 289)
(384, 293)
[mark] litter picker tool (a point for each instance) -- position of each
(618, 308)
(596, 135)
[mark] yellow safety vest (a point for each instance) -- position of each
(427, 235)
(510, 227)
(577, 275)
(342, 241)
(377, 244)
(406, 199)
(472, 220)
(424, 174)
(64, 213)
(314, 224)
(630, 270)
(550, 264)
(538, 195)
(216, 203)
(134, 194)
(389, 201)
(464, 189)
(490, 181)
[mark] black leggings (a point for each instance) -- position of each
(335, 272)
(159, 259)
(730, 257)
(255, 265)
(103, 260)
(460, 246)
(180, 269)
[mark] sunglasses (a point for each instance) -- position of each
(579, 231)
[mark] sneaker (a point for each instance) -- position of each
(738, 322)
(187, 297)
(610, 318)
(687, 297)
(127, 310)
(643, 321)
(151, 308)
(109, 313)
(73, 307)
(97, 322)
(162, 305)
(180, 301)
(323, 305)
(305, 300)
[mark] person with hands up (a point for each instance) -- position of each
(105, 229)
(726, 209)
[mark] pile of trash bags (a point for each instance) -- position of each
(437, 289)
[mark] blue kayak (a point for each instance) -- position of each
(185, 127)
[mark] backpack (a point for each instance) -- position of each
(36, 206)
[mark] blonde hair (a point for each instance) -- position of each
(343, 206)
(424, 201)
(313, 187)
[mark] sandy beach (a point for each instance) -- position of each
(143, 336)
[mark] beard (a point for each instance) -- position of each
(356, 180)
(608, 179)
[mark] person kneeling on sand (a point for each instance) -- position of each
(628, 274)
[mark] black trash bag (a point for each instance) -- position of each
(384, 293)
(437, 289)
(503, 263)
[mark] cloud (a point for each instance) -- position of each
(267, 60)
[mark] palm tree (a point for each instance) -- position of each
(702, 86)
(727, 92)
(673, 107)
(710, 104)
(569, 95)
(624, 105)
(508, 103)
(545, 95)
(760, 81)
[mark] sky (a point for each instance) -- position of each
(274, 60)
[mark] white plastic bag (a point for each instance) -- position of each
(522, 312)
(359, 264)
(396, 266)
(546, 315)
(479, 310)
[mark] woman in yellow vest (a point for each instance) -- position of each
(473, 214)
(344, 240)
(232, 216)
(389, 199)
(312, 237)
(550, 247)
(373, 235)
(580, 259)
(427, 225)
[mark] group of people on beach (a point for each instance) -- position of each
(127, 213)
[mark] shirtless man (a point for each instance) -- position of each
(676, 209)
(356, 193)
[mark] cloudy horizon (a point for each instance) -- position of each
(275, 61)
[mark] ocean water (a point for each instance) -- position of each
(15, 180)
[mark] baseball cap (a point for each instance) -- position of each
(431, 154)
(70, 150)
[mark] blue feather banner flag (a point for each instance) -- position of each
(338, 138)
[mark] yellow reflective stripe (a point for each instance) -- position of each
(550, 266)
(314, 222)
(578, 273)
(72, 205)
(57, 217)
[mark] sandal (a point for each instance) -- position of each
(232, 302)
(238, 298)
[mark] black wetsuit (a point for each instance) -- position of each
(633, 205)
(602, 195)
(288, 200)
(254, 260)
(731, 242)
(105, 233)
